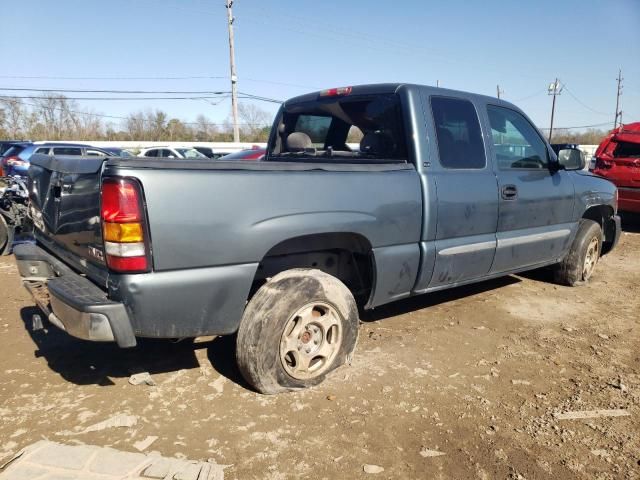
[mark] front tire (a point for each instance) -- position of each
(298, 327)
(579, 264)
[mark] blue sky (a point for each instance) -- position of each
(289, 47)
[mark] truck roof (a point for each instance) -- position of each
(386, 88)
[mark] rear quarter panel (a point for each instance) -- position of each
(201, 218)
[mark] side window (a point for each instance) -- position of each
(151, 153)
(516, 143)
(95, 153)
(458, 131)
(67, 151)
(43, 150)
(167, 153)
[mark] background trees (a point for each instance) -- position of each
(56, 117)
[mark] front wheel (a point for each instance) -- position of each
(580, 263)
(298, 327)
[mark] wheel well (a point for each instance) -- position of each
(346, 256)
(603, 216)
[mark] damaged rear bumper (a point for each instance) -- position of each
(72, 302)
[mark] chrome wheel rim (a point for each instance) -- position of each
(590, 259)
(311, 340)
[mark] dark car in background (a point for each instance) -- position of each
(17, 159)
(210, 152)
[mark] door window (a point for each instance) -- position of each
(43, 150)
(167, 153)
(458, 132)
(516, 143)
(95, 153)
(151, 153)
(67, 151)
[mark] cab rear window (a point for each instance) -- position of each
(348, 129)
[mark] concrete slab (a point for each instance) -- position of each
(46, 460)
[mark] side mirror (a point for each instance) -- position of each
(571, 159)
(171, 156)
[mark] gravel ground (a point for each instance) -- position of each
(467, 383)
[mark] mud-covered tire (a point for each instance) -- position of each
(288, 299)
(6, 237)
(578, 266)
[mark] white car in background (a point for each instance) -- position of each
(172, 152)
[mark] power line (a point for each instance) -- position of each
(584, 104)
(188, 77)
(130, 92)
(82, 90)
(539, 92)
(574, 128)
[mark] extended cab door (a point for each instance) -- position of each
(536, 203)
(467, 194)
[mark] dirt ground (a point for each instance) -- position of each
(476, 373)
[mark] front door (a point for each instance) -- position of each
(535, 221)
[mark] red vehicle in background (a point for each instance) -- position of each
(253, 153)
(618, 160)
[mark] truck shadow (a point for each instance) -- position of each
(435, 298)
(91, 363)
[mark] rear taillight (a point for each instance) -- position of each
(123, 226)
(14, 161)
(602, 164)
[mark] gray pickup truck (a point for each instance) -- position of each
(445, 188)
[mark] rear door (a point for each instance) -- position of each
(535, 221)
(467, 192)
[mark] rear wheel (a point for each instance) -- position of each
(298, 327)
(580, 263)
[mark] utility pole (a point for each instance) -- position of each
(499, 91)
(554, 89)
(618, 113)
(234, 77)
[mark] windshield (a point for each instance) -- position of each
(190, 153)
(343, 128)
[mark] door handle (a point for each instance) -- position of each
(509, 192)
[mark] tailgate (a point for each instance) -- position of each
(65, 207)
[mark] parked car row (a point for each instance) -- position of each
(15, 155)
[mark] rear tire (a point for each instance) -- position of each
(579, 264)
(298, 327)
